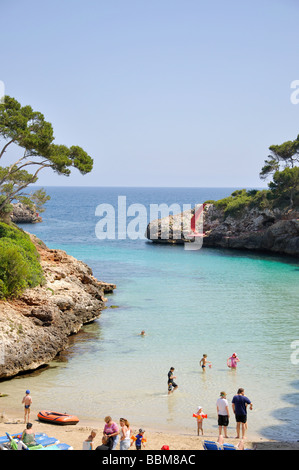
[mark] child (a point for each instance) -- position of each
(27, 400)
(139, 439)
(233, 361)
(203, 362)
(200, 417)
(88, 444)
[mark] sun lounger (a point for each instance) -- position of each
(211, 445)
(229, 447)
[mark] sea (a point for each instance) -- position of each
(189, 302)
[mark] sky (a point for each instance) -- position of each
(187, 93)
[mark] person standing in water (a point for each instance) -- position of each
(203, 362)
(233, 361)
(172, 386)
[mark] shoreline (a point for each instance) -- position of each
(11, 421)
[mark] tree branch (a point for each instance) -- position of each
(5, 147)
(11, 196)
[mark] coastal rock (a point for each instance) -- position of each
(23, 214)
(265, 230)
(35, 327)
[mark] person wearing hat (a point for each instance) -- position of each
(223, 413)
(27, 401)
(139, 439)
(233, 361)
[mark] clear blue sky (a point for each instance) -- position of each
(158, 92)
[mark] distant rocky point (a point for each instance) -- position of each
(23, 214)
(275, 231)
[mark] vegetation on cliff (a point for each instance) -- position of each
(31, 137)
(283, 192)
(19, 262)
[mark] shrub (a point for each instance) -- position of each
(19, 262)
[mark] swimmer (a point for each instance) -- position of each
(142, 333)
(203, 362)
(27, 400)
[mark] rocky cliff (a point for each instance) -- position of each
(35, 327)
(266, 230)
(23, 214)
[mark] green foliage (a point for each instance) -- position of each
(36, 200)
(19, 262)
(286, 154)
(235, 204)
(28, 130)
(285, 186)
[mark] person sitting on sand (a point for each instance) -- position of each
(88, 443)
(104, 445)
(28, 436)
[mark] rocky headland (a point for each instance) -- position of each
(23, 214)
(267, 230)
(36, 326)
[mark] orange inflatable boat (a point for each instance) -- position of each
(57, 418)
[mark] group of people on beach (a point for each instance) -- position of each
(123, 434)
(239, 402)
(114, 434)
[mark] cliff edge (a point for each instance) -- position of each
(274, 231)
(35, 327)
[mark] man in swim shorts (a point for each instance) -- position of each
(27, 400)
(239, 405)
(172, 386)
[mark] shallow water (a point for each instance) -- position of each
(207, 301)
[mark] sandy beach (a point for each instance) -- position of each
(74, 435)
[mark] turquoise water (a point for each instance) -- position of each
(189, 302)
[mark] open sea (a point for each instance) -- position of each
(211, 301)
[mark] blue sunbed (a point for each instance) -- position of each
(211, 445)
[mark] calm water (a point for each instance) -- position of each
(207, 301)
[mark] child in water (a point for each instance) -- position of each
(233, 361)
(203, 362)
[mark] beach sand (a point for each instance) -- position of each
(74, 435)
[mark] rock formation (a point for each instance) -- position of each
(23, 214)
(35, 327)
(265, 230)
